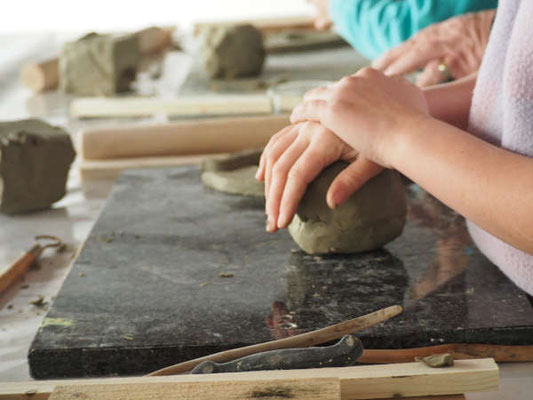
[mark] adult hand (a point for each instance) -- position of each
(367, 111)
(450, 49)
(322, 19)
(294, 157)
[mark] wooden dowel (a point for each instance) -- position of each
(222, 135)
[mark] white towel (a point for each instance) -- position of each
(502, 113)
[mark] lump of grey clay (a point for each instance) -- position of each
(34, 162)
(237, 181)
(99, 65)
(232, 161)
(437, 360)
(370, 218)
(232, 51)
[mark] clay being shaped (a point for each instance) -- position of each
(34, 162)
(232, 51)
(99, 65)
(369, 219)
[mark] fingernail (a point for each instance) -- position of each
(269, 225)
(282, 221)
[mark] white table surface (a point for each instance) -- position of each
(71, 219)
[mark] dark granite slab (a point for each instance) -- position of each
(173, 271)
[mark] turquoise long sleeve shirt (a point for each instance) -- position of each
(375, 26)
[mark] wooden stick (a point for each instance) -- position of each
(19, 267)
(361, 382)
(107, 107)
(459, 351)
(303, 340)
(43, 76)
(193, 137)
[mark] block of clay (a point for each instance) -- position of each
(99, 65)
(232, 161)
(237, 181)
(34, 162)
(232, 51)
(369, 219)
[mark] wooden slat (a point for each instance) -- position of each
(111, 169)
(360, 382)
(305, 389)
(107, 107)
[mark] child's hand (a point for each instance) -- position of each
(294, 157)
(366, 110)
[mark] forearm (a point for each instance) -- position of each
(488, 185)
(450, 102)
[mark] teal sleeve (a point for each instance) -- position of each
(375, 26)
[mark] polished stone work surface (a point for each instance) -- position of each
(173, 271)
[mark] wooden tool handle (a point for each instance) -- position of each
(43, 76)
(17, 269)
(303, 340)
(221, 135)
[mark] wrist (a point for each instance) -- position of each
(412, 130)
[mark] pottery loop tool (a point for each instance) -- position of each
(21, 265)
(345, 353)
(303, 340)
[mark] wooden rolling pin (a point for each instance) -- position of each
(206, 136)
(43, 76)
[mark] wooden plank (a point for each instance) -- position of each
(459, 351)
(304, 389)
(229, 104)
(110, 169)
(192, 137)
(360, 382)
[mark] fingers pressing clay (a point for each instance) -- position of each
(349, 180)
(278, 179)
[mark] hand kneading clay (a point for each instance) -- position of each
(232, 51)
(370, 218)
(34, 162)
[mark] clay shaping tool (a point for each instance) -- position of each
(329, 333)
(342, 354)
(20, 266)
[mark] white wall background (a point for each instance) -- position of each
(107, 15)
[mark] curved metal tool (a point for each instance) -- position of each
(342, 354)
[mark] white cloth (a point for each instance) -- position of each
(502, 113)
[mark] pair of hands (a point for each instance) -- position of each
(357, 119)
(457, 43)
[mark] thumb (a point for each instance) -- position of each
(350, 180)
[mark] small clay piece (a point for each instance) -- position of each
(99, 65)
(437, 360)
(238, 181)
(370, 218)
(232, 51)
(34, 162)
(232, 161)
